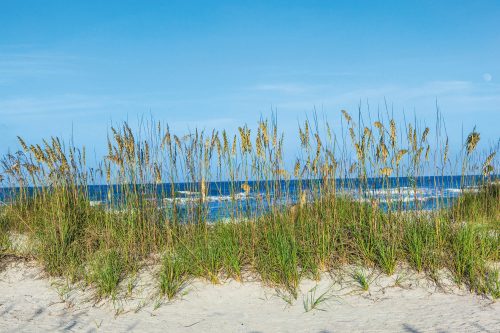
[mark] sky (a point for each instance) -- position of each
(73, 68)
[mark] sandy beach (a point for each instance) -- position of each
(404, 302)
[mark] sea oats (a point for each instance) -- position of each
(302, 137)
(265, 134)
(331, 157)
(346, 116)
(258, 146)
(178, 142)
(353, 167)
(418, 155)
(446, 149)
(275, 135)
(225, 142)
(427, 152)
(410, 134)
(219, 151)
(318, 144)
(157, 174)
(235, 144)
(167, 140)
(424, 134)
(359, 152)
(384, 151)
(386, 171)
(283, 173)
(393, 133)
(246, 188)
(315, 165)
(296, 169)
(306, 134)
(400, 155)
(490, 158)
(23, 144)
(352, 134)
(380, 127)
(414, 139)
(367, 132)
(472, 141)
(108, 173)
(488, 169)
(328, 131)
(146, 152)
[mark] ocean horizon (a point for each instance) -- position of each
(224, 199)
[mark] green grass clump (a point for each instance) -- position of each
(422, 245)
(276, 254)
(492, 283)
(480, 207)
(106, 271)
(173, 274)
(312, 302)
(362, 280)
(4, 236)
(472, 250)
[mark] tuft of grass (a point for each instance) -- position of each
(386, 255)
(421, 245)
(313, 302)
(106, 272)
(276, 256)
(479, 207)
(360, 277)
(492, 283)
(173, 275)
(473, 248)
(4, 237)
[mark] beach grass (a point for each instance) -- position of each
(361, 279)
(4, 237)
(325, 228)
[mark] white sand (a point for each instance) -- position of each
(31, 303)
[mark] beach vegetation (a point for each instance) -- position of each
(346, 198)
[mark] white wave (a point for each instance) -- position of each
(210, 198)
(468, 189)
(399, 199)
(400, 191)
(190, 193)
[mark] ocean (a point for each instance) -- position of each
(226, 199)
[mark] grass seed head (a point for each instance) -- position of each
(347, 116)
(386, 171)
(424, 134)
(472, 141)
(393, 133)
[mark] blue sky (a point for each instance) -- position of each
(73, 67)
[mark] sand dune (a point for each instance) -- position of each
(404, 302)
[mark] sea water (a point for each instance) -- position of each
(225, 199)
